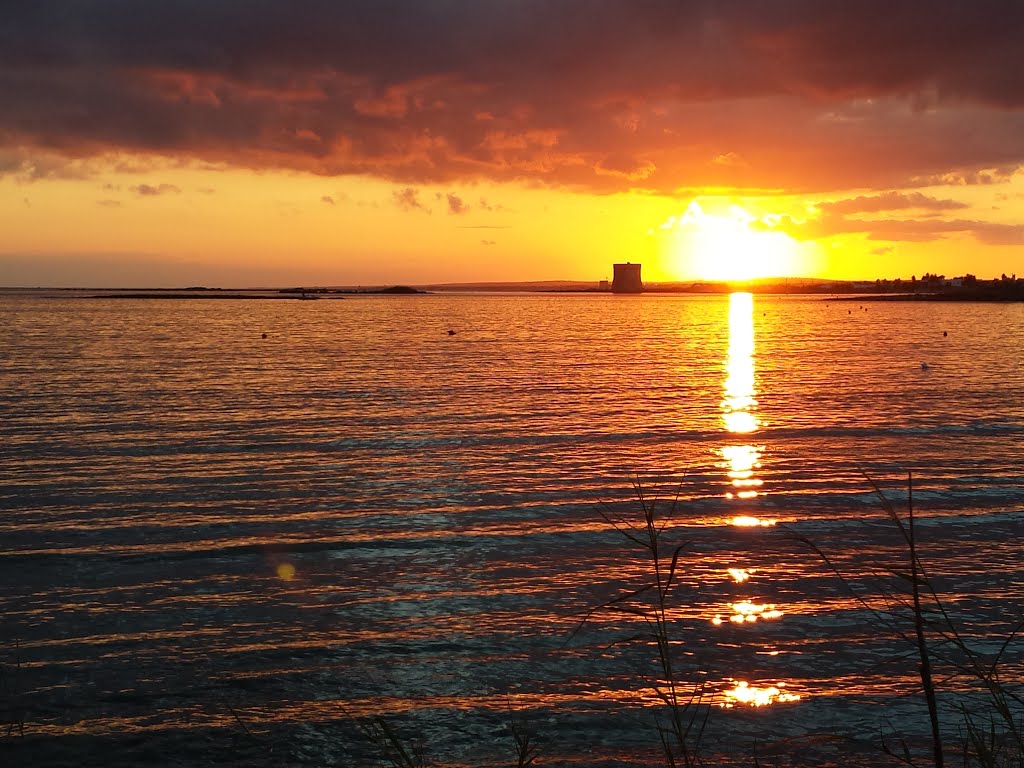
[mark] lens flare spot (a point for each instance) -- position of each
(286, 571)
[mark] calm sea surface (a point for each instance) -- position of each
(219, 548)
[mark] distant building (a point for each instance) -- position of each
(626, 278)
(603, 285)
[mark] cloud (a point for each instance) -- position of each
(408, 200)
(488, 242)
(983, 176)
(729, 159)
(998, 234)
(890, 201)
(150, 190)
(27, 167)
(488, 206)
(327, 199)
(884, 250)
(455, 204)
(109, 203)
(905, 230)
(658, 95)
(625, 166)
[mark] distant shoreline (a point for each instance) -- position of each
(295, 294)
(204, 296)
(1007, 290)
(965, 296)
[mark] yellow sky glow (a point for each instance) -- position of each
(235, 227)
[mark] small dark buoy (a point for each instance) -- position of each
(451, 332)
(264, 335)
(924, 366)
(849, 311)
(945, 333)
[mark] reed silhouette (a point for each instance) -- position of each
(989, 734)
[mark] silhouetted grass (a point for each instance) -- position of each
(392, 749)
(397, 751)
(681, 727)
(991, 734)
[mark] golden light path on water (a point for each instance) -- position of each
(738, 403)
(747, 611)
(739, 575)
(749, 521)
(739, 406)
(741, 460)
(757, 695)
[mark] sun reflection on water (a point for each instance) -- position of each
(738, 404)
(747, 612)
(749, 521)
(757, 695)
(739, 575)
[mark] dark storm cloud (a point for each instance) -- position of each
(586, 93)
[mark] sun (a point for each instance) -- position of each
(732, 246)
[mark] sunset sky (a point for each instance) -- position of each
(184, 142)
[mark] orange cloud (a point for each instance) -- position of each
(151, 190)
(773, 94)
(408, 199)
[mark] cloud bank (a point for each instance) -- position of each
(598, 95)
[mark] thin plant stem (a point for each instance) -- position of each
(922, 644)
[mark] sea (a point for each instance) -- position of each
(296, 533)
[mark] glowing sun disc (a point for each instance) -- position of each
(731, 246)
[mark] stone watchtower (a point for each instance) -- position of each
(626, 278)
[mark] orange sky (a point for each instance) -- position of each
(401, 142)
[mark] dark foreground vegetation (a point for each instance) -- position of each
(987, 734)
